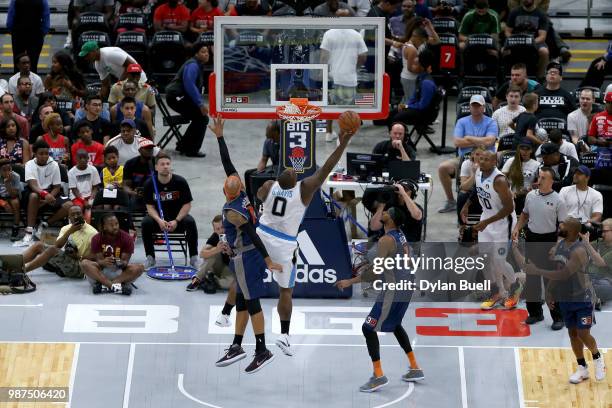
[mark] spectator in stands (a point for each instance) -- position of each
(112, 179)
(72, 244)
(144, 92)
(518, 77)
(65, 80)
(171, 16)
(599, 68)
(43, 179)
(130, 108)
(556, 136)
(48, 99)
(522, 172)
(3, 86)
(563, 166)
(184, 96)
(360, 7)
(95, 6)
(85, 142)
(579, 120)
(10, 193)
(28, 22)
(470, 131)
(504, 116)
(12, 146)
(397, 147)
(175, 196)
(410, 11)
(480, 20)
(38, 129)
(136, 172)
(83, 182)
(110, 270)
(583, 202)
(524, 124)
(251, 8)
(599, 268)
(600, 128)
(25, 102)
(8, 112)
(555, 102)
(467, 179)
(133, 6)
(202, 18)
(386, 9)
(333, 8)
(101, 127)
(24, 67)
(59, 145)
(422, 35)
(109, 62)
(128, 144)
(527, 19)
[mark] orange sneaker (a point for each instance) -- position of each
(515, 295)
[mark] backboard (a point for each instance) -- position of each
(262, 62)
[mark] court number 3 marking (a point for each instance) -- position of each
(278, 206)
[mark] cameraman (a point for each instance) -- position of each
(601, 256)
(74, 238)
(411, 211)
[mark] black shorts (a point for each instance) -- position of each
(59, 200)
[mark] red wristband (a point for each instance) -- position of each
(42, 194)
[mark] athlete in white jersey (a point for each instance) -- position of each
(494, 230)
(285, 202)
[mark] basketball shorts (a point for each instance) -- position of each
(250, 270)
(386, 315)
(495, 239)
(577, 314)
(282, 251)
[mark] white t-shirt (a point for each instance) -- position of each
(37, 84)
(504, 116)
(127, 151)
(344, 46)
(3, 87)
(466, 168)
(83, 180)
(530, 172)
(566, 148)
(581, 204)
(46, 176)
(578, 122)
(111, 63)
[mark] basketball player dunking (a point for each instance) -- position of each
(284, 203)
(249, 261)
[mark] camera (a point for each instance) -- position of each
(594, 230)
(79, 221)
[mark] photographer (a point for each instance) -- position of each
(412, 213)
(74, 238)
(601, 257)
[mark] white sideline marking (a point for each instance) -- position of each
(464, 402)
(37, 305)
(519, 378)
(403, 397)
(186, 394)
(128, 379)
(75, 360)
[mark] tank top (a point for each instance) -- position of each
(57, 147)
(241, 205)
(283, 211)
(406, 73)
(578, 287)
(15, 155)
(489, 199)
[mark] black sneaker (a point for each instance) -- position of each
(232, 354)
(557, 325)
(15, 233)
(194, 285)
(259, 361)
(534, 319)
(126, 289)
(97, 288)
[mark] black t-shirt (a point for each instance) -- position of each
(527, 22)
(391, 153)
(524, 121)
(136, 172)
(213, 241)
(271, 149)
(554, 104)
(243, 10)
(37, 130)
(173, 195)
(100, 128)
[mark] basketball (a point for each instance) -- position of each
(349, 121)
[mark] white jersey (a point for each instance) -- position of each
(283, 210)
(489, 199)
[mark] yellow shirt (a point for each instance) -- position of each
(81, 238)
(108, 178)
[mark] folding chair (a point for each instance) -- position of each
(176, 240)
(173, 122)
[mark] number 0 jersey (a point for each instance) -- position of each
(489, 199)
(283, 210)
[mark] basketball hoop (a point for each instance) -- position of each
(297, 158)
(298, 110)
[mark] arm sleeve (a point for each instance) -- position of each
(561, 211)
(228, 166)
(598, 203)
(190, 76)
(249, 229)
(96, 248)
(186, 192)
(492, 129)
(459, 131)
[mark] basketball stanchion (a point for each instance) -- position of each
(172, 272)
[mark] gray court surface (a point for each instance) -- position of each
(157, 348)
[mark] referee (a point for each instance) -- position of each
(543, 212)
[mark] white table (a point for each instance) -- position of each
(360, 187)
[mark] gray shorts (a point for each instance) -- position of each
(343, 95)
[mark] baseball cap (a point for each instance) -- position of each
(479, 99)
(132, 68)
(549, 148)
(88, 47)
(609, 97)
(526, 142)
(584, 170)
(144, 142)
(128, 122)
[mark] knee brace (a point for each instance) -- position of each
(241, 304)
(253, 306)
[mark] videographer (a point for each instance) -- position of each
(601, 257)
(74, 238)
(412, 213)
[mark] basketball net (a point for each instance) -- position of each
(298, 110)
